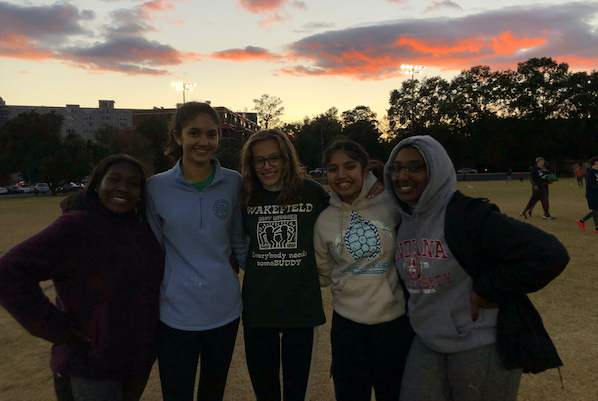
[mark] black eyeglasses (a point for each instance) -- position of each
(411, 167)
(273, 161)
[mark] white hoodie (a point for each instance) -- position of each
(354, 247)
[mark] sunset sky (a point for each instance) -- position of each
(312, 54)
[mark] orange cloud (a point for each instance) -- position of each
(439, 47)
(262, 6)
(247, 54)
(273, 19)
(576, 61)
(503, 44)
(507, 43)
(158, 5)
(177, 22)
(17, 46)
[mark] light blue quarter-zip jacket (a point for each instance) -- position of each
(198, 232)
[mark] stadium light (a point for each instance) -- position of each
(182, 86)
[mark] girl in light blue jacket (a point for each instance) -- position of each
(194, 210)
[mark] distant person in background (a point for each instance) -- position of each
(591, 194)
(509, 178)
(538, 177)
(521, 176)
(579, 174)
(107, 266)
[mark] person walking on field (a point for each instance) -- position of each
(539, 177)
(509, 178)
(579, 174)
(591, 195)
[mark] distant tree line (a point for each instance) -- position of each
(485, 119)
(503, 119)
(32, 144)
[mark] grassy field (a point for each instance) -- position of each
(568, 305)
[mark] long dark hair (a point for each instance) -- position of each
(292, 173)
(183, 115)
(80, 199)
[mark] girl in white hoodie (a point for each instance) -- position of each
(354, 240)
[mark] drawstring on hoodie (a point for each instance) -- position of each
(560, 376)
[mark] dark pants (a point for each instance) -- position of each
(78, 389)
(580, 181)
(366, 356)
(178, 352)
(540, 194)
(263, 352)
(592, 214)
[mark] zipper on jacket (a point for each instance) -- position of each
(200, 211)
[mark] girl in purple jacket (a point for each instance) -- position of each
(107, 267)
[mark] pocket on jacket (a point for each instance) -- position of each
(436, 325)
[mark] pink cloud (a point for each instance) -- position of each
(19, 47)
(177, 22)
(499, 38)
(249, 53)
(300, 5)
(40, 33)
(262, 6)
(273, 19)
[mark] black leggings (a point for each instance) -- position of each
(594, 214)
(369, 356)
(178, 352)
(263, 352)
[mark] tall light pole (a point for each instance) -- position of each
(412, 69)
(182, 86)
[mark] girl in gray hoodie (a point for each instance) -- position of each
(467, 269)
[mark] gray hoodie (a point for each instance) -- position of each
(440, 289)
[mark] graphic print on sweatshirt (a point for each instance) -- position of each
(362, 241)
(416, 258)
(278, 234)
(278, 240)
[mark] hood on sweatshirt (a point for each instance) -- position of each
(441, 175)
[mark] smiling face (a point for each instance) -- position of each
(407, 183)
(120, 189)
(199, 140)
(345, 176)
(268, 175)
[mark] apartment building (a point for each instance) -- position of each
(80, 120)
(236, 126)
